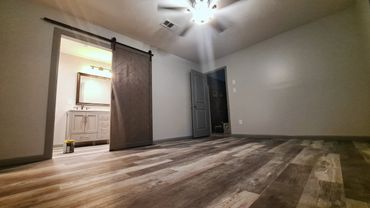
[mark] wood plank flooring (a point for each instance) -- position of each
(210, 172)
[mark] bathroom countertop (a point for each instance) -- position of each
(92, 110)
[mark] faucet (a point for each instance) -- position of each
(82, 107)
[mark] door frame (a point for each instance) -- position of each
(53, 82)
(227, 94)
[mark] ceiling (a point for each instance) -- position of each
(85, 50)
(250, 21)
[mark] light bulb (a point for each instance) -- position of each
(201, 12)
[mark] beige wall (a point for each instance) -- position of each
(24, 74)
(171, 97)
(313, 80)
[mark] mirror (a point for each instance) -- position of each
(93, 90)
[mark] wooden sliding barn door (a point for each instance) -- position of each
(131, 104)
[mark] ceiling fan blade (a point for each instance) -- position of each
(225, 3)
(212, 3)
(186, 29)
(191, 2)
(218, 26)
(172, 8)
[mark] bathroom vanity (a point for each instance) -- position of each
(88, 126)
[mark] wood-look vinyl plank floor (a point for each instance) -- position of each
(210, 172)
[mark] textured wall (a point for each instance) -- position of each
(313, 80)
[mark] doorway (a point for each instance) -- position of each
(218, 99)
(83, 95)
(112, 118)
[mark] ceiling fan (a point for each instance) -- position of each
(202, 12)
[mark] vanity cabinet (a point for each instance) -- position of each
(84, 126)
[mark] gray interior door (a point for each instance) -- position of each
(131, 104)
(200, 104)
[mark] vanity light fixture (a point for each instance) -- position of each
(100, 68)
(97, 70)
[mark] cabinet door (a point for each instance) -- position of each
(91, 123)
(104, 126)
(77, 125)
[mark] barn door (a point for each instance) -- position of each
(131, 104)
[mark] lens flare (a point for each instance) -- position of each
(202, 13)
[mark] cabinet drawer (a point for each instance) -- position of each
(83, 137)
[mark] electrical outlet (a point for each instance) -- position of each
(234, 90)
(233, 81)
(240, 122)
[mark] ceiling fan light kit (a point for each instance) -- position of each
(202, 12)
